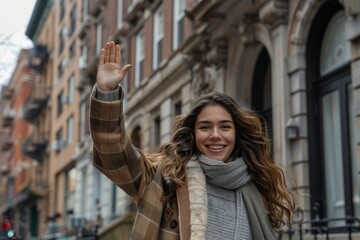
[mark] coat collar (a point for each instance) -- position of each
(183, 202)
(198, 205)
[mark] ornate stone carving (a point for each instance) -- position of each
(274, 12)
(218, 53)
(246, 30)
(205, 59)
(204, 78)
(352, 7)
(302, 16)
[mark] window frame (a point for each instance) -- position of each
(316, 86)
(139, 57)
(178, 19)
(158, 36)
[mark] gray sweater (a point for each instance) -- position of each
(224, 217)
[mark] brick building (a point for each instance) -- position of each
(294, 62)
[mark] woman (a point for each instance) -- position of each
(213, 180)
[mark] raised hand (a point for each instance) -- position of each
(110, 74)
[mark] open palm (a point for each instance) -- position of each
(110, 74)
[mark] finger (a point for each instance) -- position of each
(107, 52)
(124, 70)
(101, 58)
(118, 54)
(112, 52)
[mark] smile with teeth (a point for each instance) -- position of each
(215, 147)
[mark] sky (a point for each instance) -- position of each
(14, 18)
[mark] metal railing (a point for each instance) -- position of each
(323, 227)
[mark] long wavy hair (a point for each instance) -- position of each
(251, 143)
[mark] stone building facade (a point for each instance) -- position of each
(296, 63)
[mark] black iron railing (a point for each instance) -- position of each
(322, 227)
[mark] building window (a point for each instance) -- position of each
(61, 39)
(335, 49)
(98, 191)
(70, 130)
(84, 123)
(73, 20)
(83, 197)
(60, 70)
(85, 10)
(99, 26)
(157, 130)
(70, 189)
(113, 213)
(62, 9)
(59, 140)
(178, 28)
(261, 94)
(119, 14)
(335, 188)
(158, 37)
(71, 88)
(72, 50)
(60, 98)
(139, 58)
(177, 108)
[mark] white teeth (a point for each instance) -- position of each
(216, 147)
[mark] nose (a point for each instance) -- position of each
(215, 134)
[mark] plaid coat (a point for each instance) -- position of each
(116, 157)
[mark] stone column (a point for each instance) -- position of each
(274, 15)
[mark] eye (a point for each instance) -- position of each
(204, 127)
(226, 126)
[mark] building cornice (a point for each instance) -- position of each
(37, 18)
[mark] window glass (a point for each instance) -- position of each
(71, 88)
(335, 49)
(158, 37)
(85, 9)
(333, 156)
(355, 163)
(157, 129)
(119, 13)
(178, 28)
(98, 37)
(70, 130)
(83, 190)
(139, 58)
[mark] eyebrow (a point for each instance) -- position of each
(207, 122)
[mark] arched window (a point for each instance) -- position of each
(334, 188)
(261, 97)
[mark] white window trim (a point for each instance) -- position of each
(98, 37)
(178, 15)
(119, 14)
(71, 88)
(139, 56)
(85, 10)
(70, 130)
(82, 119)
(158, 34)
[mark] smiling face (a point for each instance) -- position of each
(215, 132)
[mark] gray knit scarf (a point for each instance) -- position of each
(231, 176)
(257, 213)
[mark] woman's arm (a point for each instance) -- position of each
(113, 153)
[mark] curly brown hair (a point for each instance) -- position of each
(251, 143)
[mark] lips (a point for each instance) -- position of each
(216, 147)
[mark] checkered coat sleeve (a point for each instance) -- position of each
(113, 153)
(116, 158)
